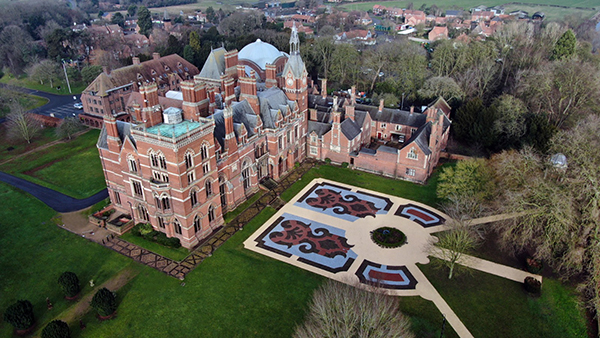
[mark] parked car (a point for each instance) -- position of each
(78, 105)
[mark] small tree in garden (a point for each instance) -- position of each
(69, 283)
(457, 242)
(105, 302)
(20, 315)
(56, 329)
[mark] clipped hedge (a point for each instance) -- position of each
(146, 231)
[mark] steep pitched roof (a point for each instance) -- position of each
(395, 116)
(271, 101)
(242, 115)
(350, 129)
(124, 129)
(214, 66)
(421, 138)
(319, 128)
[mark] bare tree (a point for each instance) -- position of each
(21, 124)
(46, 70)
(455, 243)
(68, 126)
(341, 310)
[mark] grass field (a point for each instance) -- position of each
(35, 252)
(552, 13)
(53, 167)
(76, 87)
(175, 254)
(11, 148)
(479, 299)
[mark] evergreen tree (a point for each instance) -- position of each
(144, 21)
(189, 54)
(565, 46)
(118, 19)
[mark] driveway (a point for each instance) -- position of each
(54, 199)
(59, 106)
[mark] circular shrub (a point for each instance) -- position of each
(145, 228)
(20, 315)
(105, 302)
(533, 286)
(387, 237)
(69, 283)
(56, 329)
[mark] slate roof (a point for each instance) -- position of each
(421, 138)
(129, 74)
(242, 114)
(271, 101)
(395, 116)
(319, 128)
(124, 129)
(214, 66)
(350, 129)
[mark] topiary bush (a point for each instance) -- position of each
(69, 283)
(105, 302)
(20, 315)
(387, 237)
(533, 286)
(56, 329)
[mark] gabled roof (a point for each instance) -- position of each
(395, 116)
(350, 129)
(214, 66)
(319, 128)
(242, 115)
(271, 101)
(421, 138)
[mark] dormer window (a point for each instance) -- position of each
(166, 68)
(153, 72)
(179, 65)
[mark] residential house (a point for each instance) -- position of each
(438, 33)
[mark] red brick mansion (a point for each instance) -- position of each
(180, 165)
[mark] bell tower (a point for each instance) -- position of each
(295, 74)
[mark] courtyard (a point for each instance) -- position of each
(327, 229)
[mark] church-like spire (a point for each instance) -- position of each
(294, 41)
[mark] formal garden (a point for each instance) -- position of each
(236, 292)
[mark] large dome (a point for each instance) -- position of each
(260, 53)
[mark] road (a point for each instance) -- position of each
(54, 199)
(59, 106)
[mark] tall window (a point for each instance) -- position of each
(117, 198)
(137, 188)
(161, 222)
(163, 161)
(194, 197)
(132, 165)
(143, 213)
(208, 188)
(205, 168)
(197, 225)
(165, 202)
(177, 226)
(188, 161)
(246, 176)
(211, 213)
(222, 191)
(204, 152)
(153, 159)
(191, 177)
(412, 154)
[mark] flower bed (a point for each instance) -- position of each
(388, 237)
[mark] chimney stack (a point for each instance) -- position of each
(353, 95)
(324, 88)
(106, 70)
(271, 71)
(381, 104)
(412, 109)
(155, 56)
(136, 60)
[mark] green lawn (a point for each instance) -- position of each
(53, 167)
(552, 13)
(174, 254)
(23, 81)
(235, 212)
(10, 148)
(34, 252)
(492, 306)
(420, 193)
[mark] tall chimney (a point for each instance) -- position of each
(353, 95)
(155, 56)
(412, 109)
(381, 104)
(324, 88)
(136, 60)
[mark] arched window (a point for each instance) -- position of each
(165, 202)
(132, 164)
(177, 226)
(204, 152)
(153, 159)
(194, 197)
(143, 213)
(163, 161)
(188, 160)
(208, 188)
(211, 213)
(197, 225)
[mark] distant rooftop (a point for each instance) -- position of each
(173, 130)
